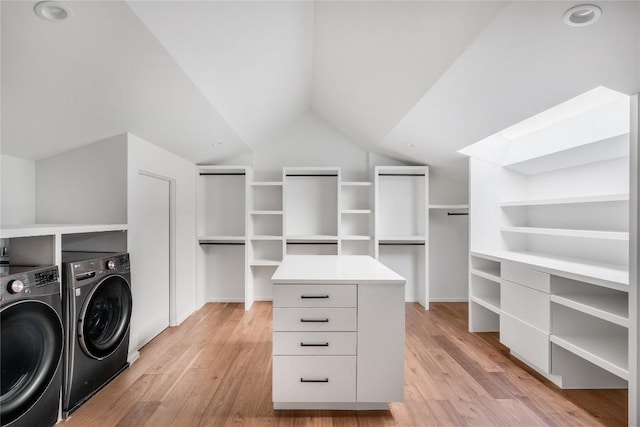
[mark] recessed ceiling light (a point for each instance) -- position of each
(216, 144)
(52, 11)
(585, 14)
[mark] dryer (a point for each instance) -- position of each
(97, 307)
(32, 345)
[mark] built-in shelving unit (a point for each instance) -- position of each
(401, 225)
(550, 225)
(223, 230)
(356, 218)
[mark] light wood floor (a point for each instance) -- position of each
(215, 369)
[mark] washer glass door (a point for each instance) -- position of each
(104, 319)
(32, 339)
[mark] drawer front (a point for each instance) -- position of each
(527, 277)
(526, 304)
(314, 343)
(525, 341)
(315, 295)
(314, 378)
(314, 319)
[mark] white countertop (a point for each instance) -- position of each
(336, 269)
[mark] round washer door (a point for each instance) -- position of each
(32, 340)
(104, 319)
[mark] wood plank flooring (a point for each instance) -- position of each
(215, 370)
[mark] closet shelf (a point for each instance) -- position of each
(562, 232)
(402, 239)
(603, 198)
(266, 212)
(612, 308)
(264, 263)
(492, 274)
(266, 184)
(221, 239)
(356, 184)
(265, 237)
(356, 237)
(357, 211)
(608, 352)
(315, 238)
(461, 206)
(490, 303)
(606, 275)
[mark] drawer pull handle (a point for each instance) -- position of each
(314, 320)
(314, 296)
(320, 344)
(326, 380)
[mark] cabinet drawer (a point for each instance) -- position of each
(525, 341)
(314, 319)
(527, 277)
(526, 304)
(314, 378)
(315, 295)
(314, 343)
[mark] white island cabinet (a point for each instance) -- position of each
(338, 333)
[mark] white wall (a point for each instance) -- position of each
(146, 157)
(86, 185)
(18, 191)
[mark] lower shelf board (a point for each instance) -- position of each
(610, 353)
(490, 303)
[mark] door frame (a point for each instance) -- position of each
(172, 242)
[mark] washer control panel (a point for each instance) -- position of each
(25, 281)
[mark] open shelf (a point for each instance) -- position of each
(356, 184)
(489, 273)
(317, 238)
(266, 184)
(460, 206)
(563, 232)
(357, 211)
(491, 303)
(402, 239)
(264, 263)
(266, 237)
(221, 239)
(607, 275)
(266, 212)
(608, 352)
(356, 237)
(603, 198)
(612, 308)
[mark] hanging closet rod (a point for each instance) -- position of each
(400, 244)
(307, 174)
(223, 173)
(400, 174)
(457, 213)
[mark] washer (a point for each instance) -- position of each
(97, 311)
(32, 345)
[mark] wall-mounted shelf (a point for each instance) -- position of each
(587, 234)
(356, 237)
(264, 263)
(32, 230)
(266, 184)
(266, 237)
(221, 239)
(357, 211)
(603, 198)
(266, 212)
(459, 206)
(356, 184)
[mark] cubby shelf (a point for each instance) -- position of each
(264, 263)
(265, 237)
(317, 238)
(492, 274)
(491, 303)
(459, 206)
(604, 198)
(221, 239)
(612, 308)
(266, 212)
(563, 232)
(608, 352)
(356, 184)
(356, 237)
(357, 211)
(402, 239)
(266, 184)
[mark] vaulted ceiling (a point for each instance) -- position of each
(415, 80)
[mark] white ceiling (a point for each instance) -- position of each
(439, 75)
